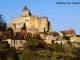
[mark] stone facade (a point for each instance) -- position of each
(75, 38)
(15, 43)
(32, 23)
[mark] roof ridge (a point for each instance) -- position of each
(69, 30)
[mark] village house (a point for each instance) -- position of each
(59, 39)
(50, 38)
(75, 38)
(69, 32)
(16, 41)
(47, 38)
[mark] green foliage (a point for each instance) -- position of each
(7, 52)
(9, 29)
(29, 55)
(76, 52)
(55, 34)
(12, 53)
(66, 37)
(56, 51)
(0, 38)
(69, 43)
(33, 43)
(3, 24)
(55, 47)
(26, 55)
(4, 45)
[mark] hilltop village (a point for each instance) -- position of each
(31, 25)
(35, 33)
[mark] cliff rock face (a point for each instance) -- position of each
(32, 22)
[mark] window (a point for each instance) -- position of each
(21, 42)
(15, 42)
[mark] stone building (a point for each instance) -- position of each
(16, 41)
(75, 38)
(31, 23)
(69, 33)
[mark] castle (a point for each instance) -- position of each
(30, 23)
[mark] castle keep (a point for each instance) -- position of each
(30, 23)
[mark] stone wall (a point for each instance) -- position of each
(43, 24)
(32, 22)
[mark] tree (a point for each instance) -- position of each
(66, 37)
(9, 29)
(7, 52)
(3, 49)
(56, 47)
(55, 34)
(34, 43)
(3, 24)
(76, 52)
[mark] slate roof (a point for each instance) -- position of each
(25, 8)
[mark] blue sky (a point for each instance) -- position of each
(61, 16)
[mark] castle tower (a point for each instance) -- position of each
(26, 11)
(43, 24)
(30, 23)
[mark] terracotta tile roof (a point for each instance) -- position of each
(10, 35)
(20, 35)
(7, 35)
(17, 38)
(68, 32)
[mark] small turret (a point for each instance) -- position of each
(26, 11)
(25, 8)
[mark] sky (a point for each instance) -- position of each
(61, 16)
